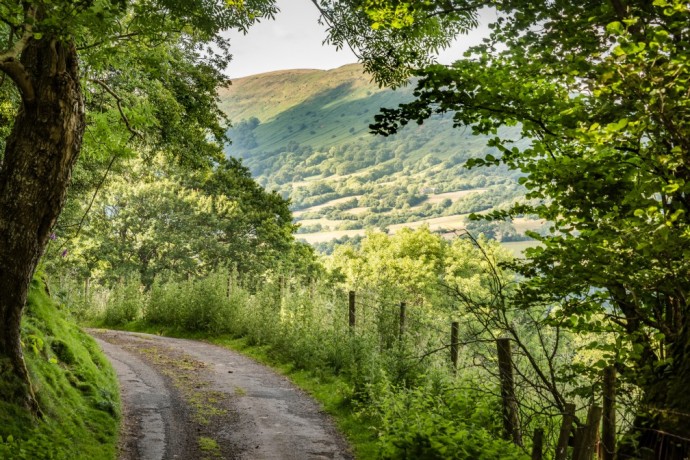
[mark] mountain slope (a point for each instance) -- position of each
(305, 134)
(313, 107)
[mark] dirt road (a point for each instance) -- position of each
(190, 400)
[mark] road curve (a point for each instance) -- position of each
(188, 400)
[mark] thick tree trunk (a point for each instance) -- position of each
(661, 429)
(34, 174)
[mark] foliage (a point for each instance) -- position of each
(142, 75)
(389, 53)
(149, 74)
(153, 219)
(125, 304)
(328, 247)
(404, 266)
(601, 91)
(495, 230)
(194, 305)
(441, 422)
(304, 322)
(77, 391)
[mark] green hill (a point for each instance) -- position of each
(305, 134)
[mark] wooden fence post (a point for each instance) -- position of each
(352, 309)
(403, 314)
(511, 418)
(538, 444)
(587, 435)
(566, 429)
(608, 431)
(579, 442)
(592, 432)
(454, 329)
(87, 286)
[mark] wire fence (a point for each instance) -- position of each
(423, 334)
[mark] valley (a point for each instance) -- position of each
(305, 134)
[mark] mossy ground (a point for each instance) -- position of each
(210, 447)
(75, 386)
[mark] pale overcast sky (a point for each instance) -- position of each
(294, 40)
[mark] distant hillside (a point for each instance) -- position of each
(305, 133)
(291, 104)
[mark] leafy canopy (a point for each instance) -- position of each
(149, 69)
(390, 44)
(600, 89)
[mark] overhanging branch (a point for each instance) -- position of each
(13, 68)
(16, 71)
(118, 101)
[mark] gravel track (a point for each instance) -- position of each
(188, 400)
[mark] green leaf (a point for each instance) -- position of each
(617, 126)
(600, 364)
(615, 28)
(671, 188)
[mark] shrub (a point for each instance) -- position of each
(440, 423)
(126, 303)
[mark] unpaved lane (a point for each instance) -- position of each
(185, 399)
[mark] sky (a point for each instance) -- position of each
(294, 40)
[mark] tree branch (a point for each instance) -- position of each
(16, 71)
(13, 68)
(115, 38)
(93, 198)
(118, 100)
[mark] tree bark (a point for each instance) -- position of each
(34, 174)
(661, 429)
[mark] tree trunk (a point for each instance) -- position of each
(661, 429)
(34, 174)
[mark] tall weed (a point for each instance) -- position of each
(439, 421)
(126, 303)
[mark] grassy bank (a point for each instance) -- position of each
(75, 386)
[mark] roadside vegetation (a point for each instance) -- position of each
(390, 382)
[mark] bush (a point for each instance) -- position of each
(440, 423)
(200, 305)
(126, 303)
(164, 306)
(206, 308)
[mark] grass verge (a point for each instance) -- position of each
(75, 385)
